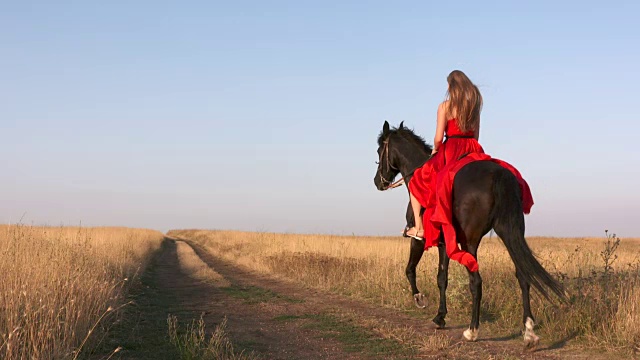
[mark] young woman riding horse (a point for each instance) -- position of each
(473, 195)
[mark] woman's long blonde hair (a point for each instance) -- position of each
(465, 101)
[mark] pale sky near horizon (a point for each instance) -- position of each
(263, 116)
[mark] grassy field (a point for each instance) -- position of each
(63, 287)
(601, 275)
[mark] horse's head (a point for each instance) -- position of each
(387, 171)
(399, 151)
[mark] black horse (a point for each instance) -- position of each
(485, 196)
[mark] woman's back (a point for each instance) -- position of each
(458, 143)
(452, 129)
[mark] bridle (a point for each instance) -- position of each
(401, 181)
(383, 180)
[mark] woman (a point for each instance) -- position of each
(458, 124)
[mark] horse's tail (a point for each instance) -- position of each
(509, 226)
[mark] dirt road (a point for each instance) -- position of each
(277, 319)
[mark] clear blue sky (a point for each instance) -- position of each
(263, 115)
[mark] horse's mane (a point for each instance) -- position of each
(404, 133)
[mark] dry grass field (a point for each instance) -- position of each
(63, 287)
(601, 277)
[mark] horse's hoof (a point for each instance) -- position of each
(439, 321)
(419, 301)
(470, 334)
(531, 341)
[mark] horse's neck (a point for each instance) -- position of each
(413, 158)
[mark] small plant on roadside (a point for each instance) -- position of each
(192, 343)
(609, 255)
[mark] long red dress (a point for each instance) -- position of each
(423, 183)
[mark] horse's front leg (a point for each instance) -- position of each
(443, 282)
(530, 337)
(417, 249)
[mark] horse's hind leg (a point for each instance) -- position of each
(530, 337)
(417, 249)
(475, 286)
(514, 232)
(443, 281)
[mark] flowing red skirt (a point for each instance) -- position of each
(435, 197)
(423, 183)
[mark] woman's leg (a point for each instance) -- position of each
(418, 229)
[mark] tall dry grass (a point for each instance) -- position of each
(62, 287)
(601, 279)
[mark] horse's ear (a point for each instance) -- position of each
(385, 127)
(401, 125)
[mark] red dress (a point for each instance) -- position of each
(423, 183)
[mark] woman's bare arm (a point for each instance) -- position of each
(440, 126)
